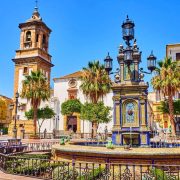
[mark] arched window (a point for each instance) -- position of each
(44, 39)
(37, 37)
(28, 36)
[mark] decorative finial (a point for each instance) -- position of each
(151, 52)
(35, 15)
(127, 17)
(36, 7)
(108, 53)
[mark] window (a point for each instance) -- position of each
(37, 37)
(72, 93)
(44, 39)
(28, 36)
(25, 70)
(177, 56)
(20, 125)
(165, 124)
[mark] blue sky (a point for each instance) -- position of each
(85, 30)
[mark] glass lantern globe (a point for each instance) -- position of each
(151, 62)
(108, 63)
(128, 29)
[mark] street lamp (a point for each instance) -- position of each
(130, 54)
(11, 107)
(108, 67)
(151, 62)
(128, 30)
(108, 63)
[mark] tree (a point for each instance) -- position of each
(71, 106)
(43, 113)
(164, 108)
(97, 113)
(96, 83)
(167, 81)
(36, 89)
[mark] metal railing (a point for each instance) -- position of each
(6, 148)
(58, 170)
(60, 134)
(39, 146)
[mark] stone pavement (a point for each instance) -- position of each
(4, 176)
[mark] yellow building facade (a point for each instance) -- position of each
(5, 113)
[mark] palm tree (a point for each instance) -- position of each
(95, 81)
(95, 84)
(167, 81)
(36, 89)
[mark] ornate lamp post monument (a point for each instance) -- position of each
(130, 92)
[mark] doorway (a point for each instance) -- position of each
(72, 123)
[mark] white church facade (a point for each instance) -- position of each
(68, 87)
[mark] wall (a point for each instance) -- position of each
(60, 92)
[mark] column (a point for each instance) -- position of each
(136, 68)
(116, 100)
(22, 40)
(122, 72)
(143, 112)
(40, 40)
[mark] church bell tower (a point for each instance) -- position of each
(32, 55)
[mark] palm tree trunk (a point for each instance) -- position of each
(171, 114)
(35, 119)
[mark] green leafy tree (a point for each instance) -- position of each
(42, 114)
(96, 83)
(71, 106)
(164, 107)
(167, 81)
(36, 89)
(97, 113)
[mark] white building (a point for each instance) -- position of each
(68, 87)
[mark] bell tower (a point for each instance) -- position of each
(32, 55)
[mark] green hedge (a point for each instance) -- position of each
(96, 174)
(30, 167)
(159, 174)
(36, 156)
(66, 173)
